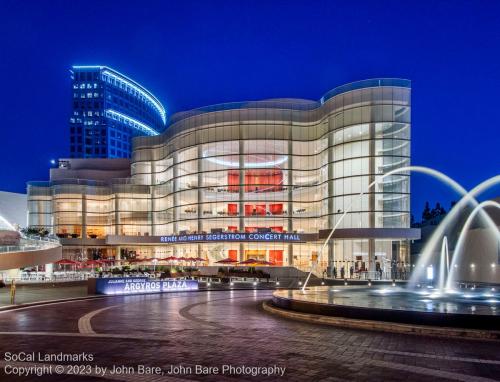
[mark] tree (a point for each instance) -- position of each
(426, 214)
(35, 231)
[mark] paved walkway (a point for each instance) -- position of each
(213, 329)
(31, 293)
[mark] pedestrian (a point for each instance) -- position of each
(351, 271)
(334, 272)
(342, 272)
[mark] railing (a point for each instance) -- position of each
(31, 243)
(42, 277)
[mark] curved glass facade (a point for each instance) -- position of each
(278, 166)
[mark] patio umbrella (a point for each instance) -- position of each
(248, 262)
(264, 262)
(67, 262)
(92, 263)
(226, 261)
(200, 259)
(136, 260)
(170, 258)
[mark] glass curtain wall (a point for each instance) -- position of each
(269, 166)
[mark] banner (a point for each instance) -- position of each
(131, 285)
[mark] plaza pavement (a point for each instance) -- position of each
(40, 292)
(230, 327)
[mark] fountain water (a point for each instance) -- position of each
(444, 265)
(449, 219)
(457, 253)
(5, 225)
(421, 169)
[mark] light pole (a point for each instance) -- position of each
(154, 265)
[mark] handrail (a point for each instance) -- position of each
(31, 243)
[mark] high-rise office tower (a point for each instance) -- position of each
(108, 109)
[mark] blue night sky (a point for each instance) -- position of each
(191, 54)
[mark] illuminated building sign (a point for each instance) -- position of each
(131, 285)
(233, 236)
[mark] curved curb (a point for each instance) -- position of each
(8, 308)
(383, 326)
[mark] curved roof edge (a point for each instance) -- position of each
(115, 72)
(291, 103)
(368, 83)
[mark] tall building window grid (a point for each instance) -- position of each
(93, 93)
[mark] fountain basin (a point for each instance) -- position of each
(477, 309)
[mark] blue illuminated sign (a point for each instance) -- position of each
(131, 285)
(257, 237)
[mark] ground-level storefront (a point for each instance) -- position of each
(341, 258)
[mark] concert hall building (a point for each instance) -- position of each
(259, 179)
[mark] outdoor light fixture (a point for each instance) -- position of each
(208, 284)
(300, 282)
(231, 283)
(254, 283)
(322, 283)
(472, 265)
(277, 283)
(493, 265)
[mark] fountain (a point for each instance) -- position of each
(467, 198)
(461, 239)
(444, 265)
(420, 302)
